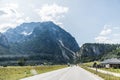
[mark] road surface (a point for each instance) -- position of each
(69, 73)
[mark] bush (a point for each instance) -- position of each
(21, 62)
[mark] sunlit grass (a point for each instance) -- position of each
(17, 72)
(89, 64)
(102, 75)
(111, 70)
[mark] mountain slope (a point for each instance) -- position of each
(40, 42)
(96, 51)
(113, 54)
(3, 41)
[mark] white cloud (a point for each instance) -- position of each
(103, 39)
(2, 13)
(5, 26)
(12, 16)
(109, 34)
(10, 10)
(52, 12)
(106, 31)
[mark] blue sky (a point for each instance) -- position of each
(88, 21)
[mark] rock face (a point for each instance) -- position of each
(95, 51)
(3, 41)
(42, 42)
(20, 32)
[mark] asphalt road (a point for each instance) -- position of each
(70, 73)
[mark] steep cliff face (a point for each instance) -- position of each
(94, 51)
(3, 41)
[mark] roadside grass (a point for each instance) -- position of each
(111, 70)
(102, 75)
(18, 72)
(89, 64)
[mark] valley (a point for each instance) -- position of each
(44, 46)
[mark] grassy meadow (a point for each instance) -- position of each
(112, 70)
(18, 72)
(102, 75)
(90, 64)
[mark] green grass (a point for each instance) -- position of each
(17, 72)
(89, 64)
(102, 75)
(111, 70)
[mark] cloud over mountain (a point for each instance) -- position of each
(11, 14)
(109, 34)
(52, 12)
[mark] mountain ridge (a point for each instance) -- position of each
(97, 51)
(46, 42)
(39, 41)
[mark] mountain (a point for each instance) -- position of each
(113, 54)
(45, 42)
(3, 41)
(96, 51)
(20, 32)
(4, 45)
(4, 49)
(42, 42)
